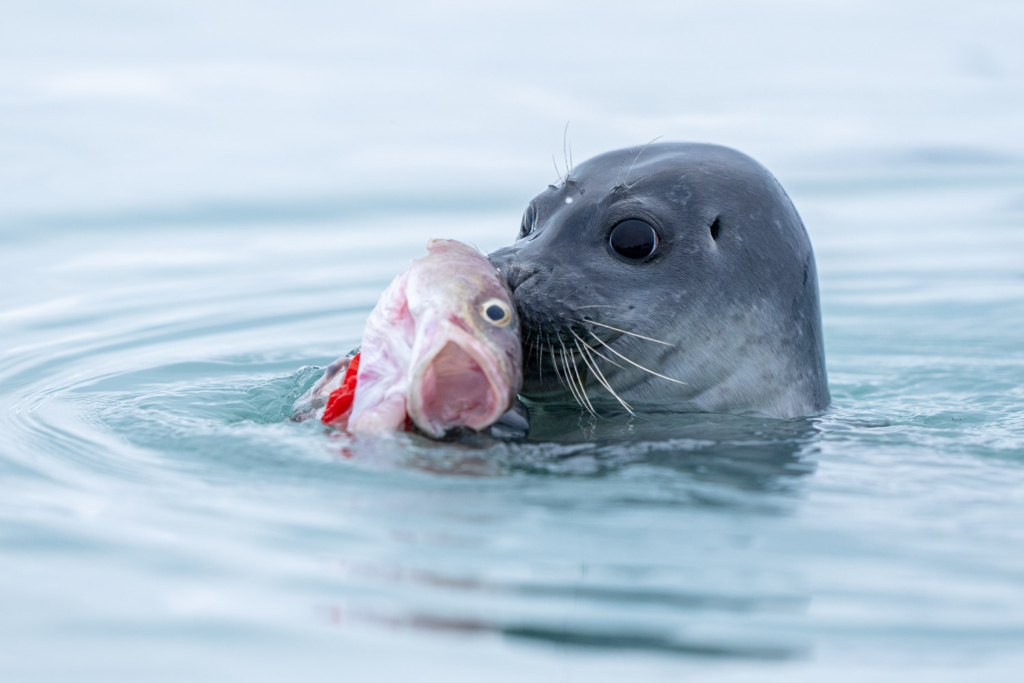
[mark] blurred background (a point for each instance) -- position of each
(310, 109)
(200, 202)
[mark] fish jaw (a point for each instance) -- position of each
(455, 381)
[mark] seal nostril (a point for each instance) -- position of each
(715, 227)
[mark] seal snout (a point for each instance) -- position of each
(517, 274)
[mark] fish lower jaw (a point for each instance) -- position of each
(457, 384)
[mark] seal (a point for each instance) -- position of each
(678, 274)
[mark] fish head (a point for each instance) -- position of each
(466, 360)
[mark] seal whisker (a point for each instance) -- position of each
(568, 166)
(557, 172)
(631, 334)
(580, 384)
(638, 181)
(572, 382)
(554, 360)
(529, 346)
(634, 363)
(579, 380)
(623, 163)
(597, 372)
(602, 356)
(586, 362)
(626, 179)
(539, 354)
(572, 387)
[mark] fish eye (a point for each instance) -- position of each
(633, 240)
(496, 312)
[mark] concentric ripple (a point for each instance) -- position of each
(157, 497)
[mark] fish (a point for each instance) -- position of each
(441, 350)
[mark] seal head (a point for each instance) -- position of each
(675, 274)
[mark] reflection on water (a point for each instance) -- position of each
(745, 452)
(581, 637)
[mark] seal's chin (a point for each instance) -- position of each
(456, 384)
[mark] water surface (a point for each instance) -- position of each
(199, 218)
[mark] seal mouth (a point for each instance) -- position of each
(457, 384)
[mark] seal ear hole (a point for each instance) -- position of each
(715, 227)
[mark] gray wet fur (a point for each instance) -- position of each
(731, 290)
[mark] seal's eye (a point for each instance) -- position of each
(496, 312)
(529, 223)
(633, 239)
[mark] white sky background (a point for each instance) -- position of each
(122, 105)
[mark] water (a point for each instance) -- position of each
(200, 206)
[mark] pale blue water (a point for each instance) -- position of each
(200, 204)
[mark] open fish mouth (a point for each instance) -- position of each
(457, 383)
